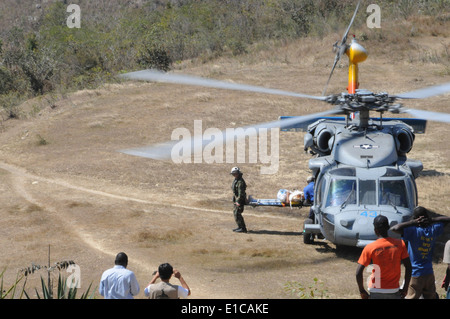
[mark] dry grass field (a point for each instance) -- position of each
(63, 182)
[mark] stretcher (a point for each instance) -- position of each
(285, 198)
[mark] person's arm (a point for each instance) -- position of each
(177, 274)
(134, 285)
(101, 288)
(446, 280)
(241, 188)
(408, 270)
(418, 222)
(360, 281)
(413, 222)
(441, 219)
(147, 289)
(155, 277)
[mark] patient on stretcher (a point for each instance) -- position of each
(284, 198)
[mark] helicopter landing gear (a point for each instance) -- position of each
(311, 230)
(308, 238)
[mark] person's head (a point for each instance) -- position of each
(423, 215)
(310, 179)
(420, 211)
(236, 172)
(381, 225)
(121, 259)
(165, 271)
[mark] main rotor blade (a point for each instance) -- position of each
(427, 115)
(341, 48)
(336, 60)
(425, 92)
(344, 38)
(164, 151)
(158, 76)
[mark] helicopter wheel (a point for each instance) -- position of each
(308, 238)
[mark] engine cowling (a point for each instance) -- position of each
(404, 139)
(324, 140)
(320, 138)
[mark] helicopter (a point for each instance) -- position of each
(360, 165)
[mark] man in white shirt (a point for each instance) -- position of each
(164, 289)
(119, 282)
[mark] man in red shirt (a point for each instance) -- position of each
(386, 254)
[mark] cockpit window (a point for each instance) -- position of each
(367, 192)
(341, 191)
(393, 192)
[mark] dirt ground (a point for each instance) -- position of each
(65, 185)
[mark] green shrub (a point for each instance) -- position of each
(11, 291)
(155, 58)
(115, 37)
(316, 290)
(63, 291)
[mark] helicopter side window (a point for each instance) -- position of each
(412, 190)
(320, 187)
(393, 192)
(367, 192)
(341, 191)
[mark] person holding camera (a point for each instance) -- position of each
(164, 289)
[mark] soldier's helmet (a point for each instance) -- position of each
(235, 170)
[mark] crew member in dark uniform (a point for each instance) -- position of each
(309, 195)
(239, 186)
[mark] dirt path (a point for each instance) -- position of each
(20, 178)
(20, 174)
(23, 181)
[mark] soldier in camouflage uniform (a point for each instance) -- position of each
(239, 198)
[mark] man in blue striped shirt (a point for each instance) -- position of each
(421, 233)
(119, 282)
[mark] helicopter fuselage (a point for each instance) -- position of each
(360, 174)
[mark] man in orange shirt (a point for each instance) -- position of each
(386, 255)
